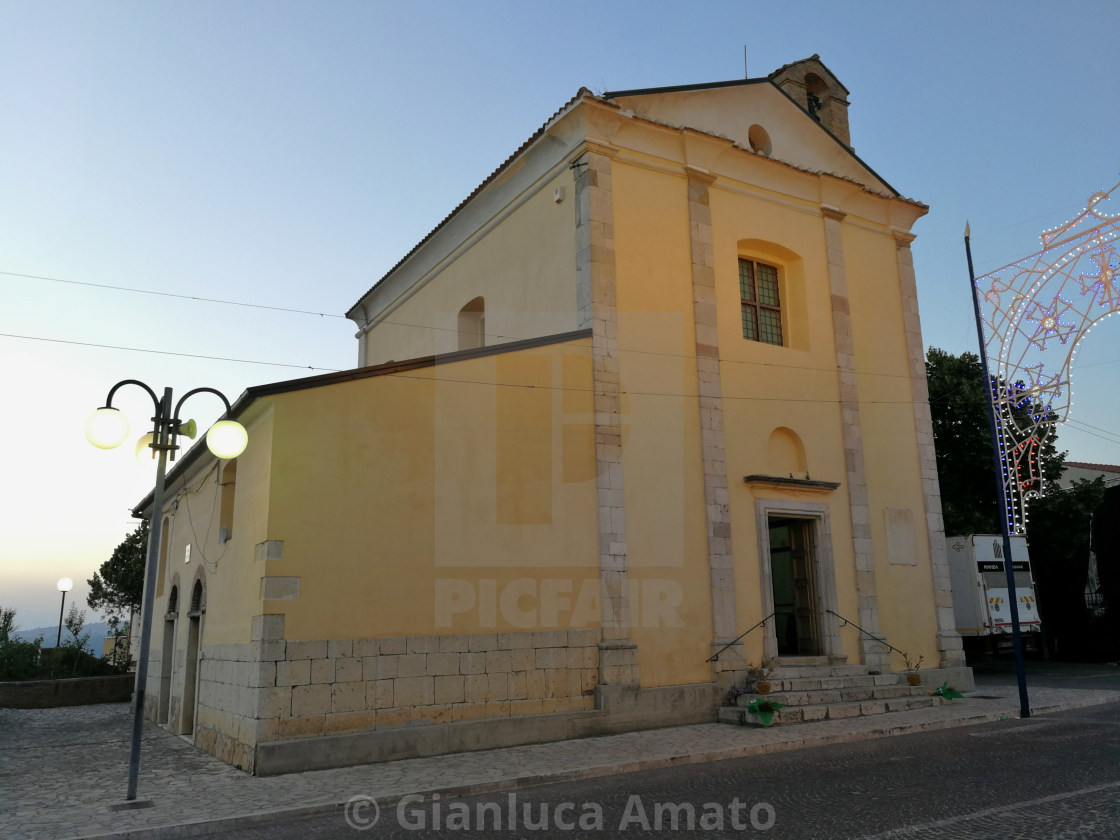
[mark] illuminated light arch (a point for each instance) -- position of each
(1034, 314)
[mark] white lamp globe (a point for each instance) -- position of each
(227, 439)
(65, 584)
(106, 428)
(144, 451)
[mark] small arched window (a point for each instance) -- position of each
(472, 325)
(815, 91)
(198, 600)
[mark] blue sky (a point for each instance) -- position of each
(287, 154)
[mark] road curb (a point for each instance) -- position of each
(203, 828)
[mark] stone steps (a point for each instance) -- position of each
(819, 697)
(827, 711)
(792, 672)
(827, 683)
(829, 692)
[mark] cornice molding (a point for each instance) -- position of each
(791, 483)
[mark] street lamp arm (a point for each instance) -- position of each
(214, 391)
(123, 382)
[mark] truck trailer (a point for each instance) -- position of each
(981, 599)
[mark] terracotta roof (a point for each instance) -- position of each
(1085, 465)
(814, 57)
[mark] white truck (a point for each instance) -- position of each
(981, 599)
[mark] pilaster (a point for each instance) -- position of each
(872, 653)
(597, 308)
(949, 645)
(721, 568)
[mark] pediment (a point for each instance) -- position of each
(754, 114)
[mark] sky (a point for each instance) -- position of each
(287, 154)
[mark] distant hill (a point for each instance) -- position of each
(98, 633)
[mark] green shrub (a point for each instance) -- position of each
(19, 660)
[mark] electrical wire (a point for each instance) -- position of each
(1078, 428)
(629, 393)
(503, 384)
(168, 294)
(494, 337)
(163, 352)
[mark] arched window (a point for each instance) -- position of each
(772, 300)
(815, 91)
(198, 601)
(472, 325)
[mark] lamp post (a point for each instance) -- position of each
(64, 586)
(106, 429)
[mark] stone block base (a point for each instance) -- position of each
(620, 709)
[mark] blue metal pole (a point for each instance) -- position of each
(1001, 492)
(163, 434)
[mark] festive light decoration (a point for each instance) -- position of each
(1035, 313)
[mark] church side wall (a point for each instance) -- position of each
(520, 261)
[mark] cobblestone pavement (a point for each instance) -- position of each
(63, 771)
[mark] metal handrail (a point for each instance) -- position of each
(715, 655)
(869, 635)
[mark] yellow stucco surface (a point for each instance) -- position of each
(666, 527)
(229, 575)
(436, 492)
(522, 265)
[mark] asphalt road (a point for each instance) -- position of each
(1048, 776)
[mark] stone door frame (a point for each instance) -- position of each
(824, 572)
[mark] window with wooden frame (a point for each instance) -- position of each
(761, 301)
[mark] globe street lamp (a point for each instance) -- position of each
(64, 586)
(107, 428)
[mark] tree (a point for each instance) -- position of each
(1058, 535)
(958, 403)
(75, 621)
(19, 660)
(118, 587)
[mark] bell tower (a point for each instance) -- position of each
(812, 86)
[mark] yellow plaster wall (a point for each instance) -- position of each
(767, 387)
(397, 497)
(231, 577)
(524, 268)
(666, 528)
(907, 614)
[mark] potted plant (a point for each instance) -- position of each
(761, 676)
(764, 708)
(913, 678)
(946, 691)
